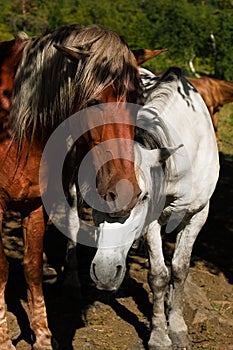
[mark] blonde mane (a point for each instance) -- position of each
(49, 87)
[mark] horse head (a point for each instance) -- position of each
(115, 238)
(110, 83)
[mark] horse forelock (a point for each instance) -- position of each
(52, 87)
(110, 63)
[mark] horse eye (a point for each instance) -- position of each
(93, 102)
(144, 196)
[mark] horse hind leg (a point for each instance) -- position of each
(33, 228)
(5, 342)
(178, 331)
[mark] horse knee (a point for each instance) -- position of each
(180, 270)
(33, 270)
(159, 280)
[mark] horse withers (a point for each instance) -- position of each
(44, 80)
(177, 169)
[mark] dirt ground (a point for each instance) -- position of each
(101, 321)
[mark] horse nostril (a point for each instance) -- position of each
(110, 196)
(94, 272)
(118, 271)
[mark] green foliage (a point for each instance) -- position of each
(184, 27)
(224, 51)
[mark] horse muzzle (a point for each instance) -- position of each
(107, 275)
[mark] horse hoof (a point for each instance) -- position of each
(54, 346)
(155, 347)
(180, 340)
(160, 343)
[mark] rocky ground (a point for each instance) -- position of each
(101, 321)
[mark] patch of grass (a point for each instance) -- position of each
(225, 130)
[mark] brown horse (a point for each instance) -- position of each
(215, 93)
(43, 80)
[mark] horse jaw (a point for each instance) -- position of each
(114, 241)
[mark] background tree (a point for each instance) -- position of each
(185, 27)
(224, 48)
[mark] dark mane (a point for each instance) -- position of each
(151, 130)
(49, 87)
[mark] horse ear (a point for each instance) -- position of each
(164, 153)
(72, 53)
(143, 55)
(158, 155)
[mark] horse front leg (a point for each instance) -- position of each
(5, 343)
(71, 281)
(178, 331)
(34, 228)
(158, 280)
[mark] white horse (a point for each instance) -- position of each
(177, 167)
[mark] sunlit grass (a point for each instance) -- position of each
(225, 130)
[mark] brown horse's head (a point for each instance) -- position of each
(110, 82)
(109, 138)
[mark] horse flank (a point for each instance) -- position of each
(46, 80)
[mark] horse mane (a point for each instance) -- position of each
(152, 131)
(49, 87)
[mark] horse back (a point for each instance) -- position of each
(214, 92)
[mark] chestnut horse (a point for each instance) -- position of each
(215, 94)
(43, 80)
